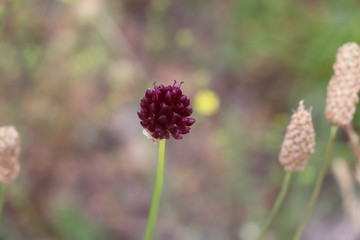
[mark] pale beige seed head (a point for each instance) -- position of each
(342, 97)
(9, 154)
(342, 94)
(299, 141)
(348, 60)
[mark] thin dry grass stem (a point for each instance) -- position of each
(344, 179)
(353, 140)
(357, 173)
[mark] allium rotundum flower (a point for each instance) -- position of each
(343, 88)
(9, 154)
(299, 141)
(165, 112)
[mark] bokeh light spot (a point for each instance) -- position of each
(207, 102)
(184, 37)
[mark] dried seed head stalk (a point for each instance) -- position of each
(299, 141)
(9, 154)
(342, 95)
(357, 173)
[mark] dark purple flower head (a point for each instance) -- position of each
(165, 111)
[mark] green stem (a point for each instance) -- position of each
(275, 209)
(318, 185)
(2, 198)
(157, 192)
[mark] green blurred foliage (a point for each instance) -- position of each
(73, 225)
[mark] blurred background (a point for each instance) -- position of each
(72, 73)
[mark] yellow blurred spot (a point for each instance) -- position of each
(206, 102)
(184, 37)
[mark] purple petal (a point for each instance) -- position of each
(184, 100)
(164, 108)
(177, 135)
(149, 93)
(167, 98)
(144, 124)
(180, 121)
(154, 108)
(166, 135)
(179, 108)
(187, 112)
(141, 115)
(184, 129)
(163, 119)
(190, 121)
(172, 128)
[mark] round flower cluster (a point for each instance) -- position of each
(165, 112)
